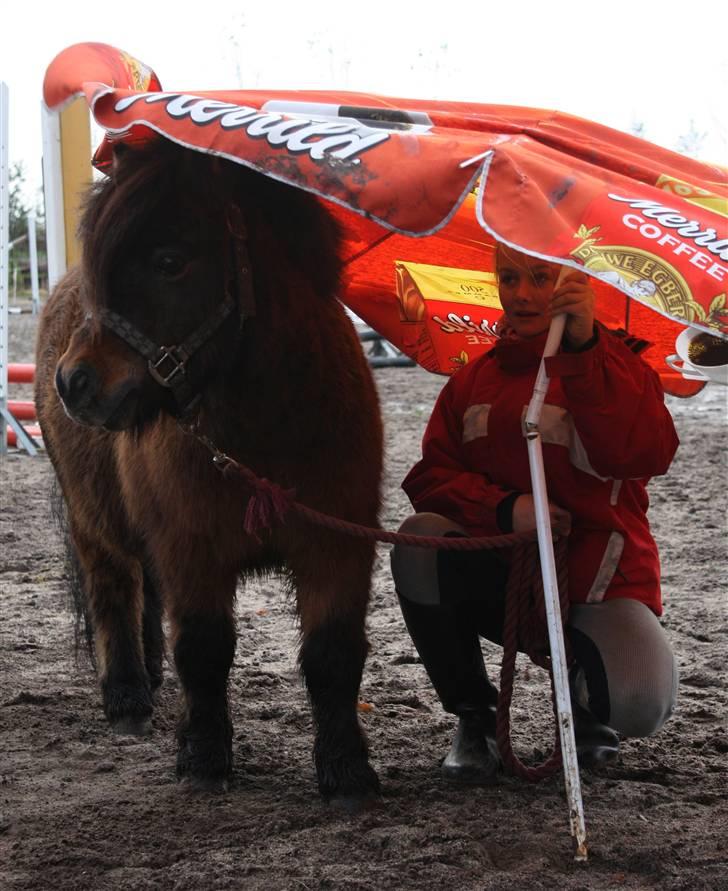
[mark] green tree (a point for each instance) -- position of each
(18, 207)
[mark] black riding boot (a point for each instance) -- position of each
(447, 641)
(596, 744)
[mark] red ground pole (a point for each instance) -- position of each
(13, 439)
(21, 373)
(23, 411)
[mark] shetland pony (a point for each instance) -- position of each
(206, 295)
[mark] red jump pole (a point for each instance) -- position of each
(23, 411)
(21, 373)
(13, 439)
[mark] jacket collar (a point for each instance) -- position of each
(517, 356)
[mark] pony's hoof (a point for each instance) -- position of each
(348, 785)
(204, 785)
(128, 708)
(131, 725)
(204, 764)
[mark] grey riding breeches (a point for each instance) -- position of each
(627, 674)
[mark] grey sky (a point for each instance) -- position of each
(660, 63)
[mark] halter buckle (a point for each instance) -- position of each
(168, 366)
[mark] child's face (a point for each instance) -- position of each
(525, 287)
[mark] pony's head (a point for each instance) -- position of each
(167, 279)
(158, 265)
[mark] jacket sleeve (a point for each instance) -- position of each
(440, 483)
(618, 407)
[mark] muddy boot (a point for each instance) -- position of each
(596, 744)
(473, 758)
(447, 641)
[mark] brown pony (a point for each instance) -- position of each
(207, 294)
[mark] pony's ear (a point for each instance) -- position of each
(119, 151)
(223, 179)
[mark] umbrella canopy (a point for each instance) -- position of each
(424, 189)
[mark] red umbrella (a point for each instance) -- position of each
(648, 224)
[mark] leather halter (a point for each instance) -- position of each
(168, 364)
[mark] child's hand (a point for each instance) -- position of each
(524, 516)
(575, 297)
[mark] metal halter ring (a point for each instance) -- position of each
(168, 375)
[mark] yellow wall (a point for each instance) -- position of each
(76, 170)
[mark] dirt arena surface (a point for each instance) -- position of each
(81, 808)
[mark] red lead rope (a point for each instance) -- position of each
(269, 503)
(524, 628)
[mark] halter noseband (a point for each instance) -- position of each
(168, 364)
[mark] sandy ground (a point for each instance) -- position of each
(83, 809)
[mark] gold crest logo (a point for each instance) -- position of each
(640, 273)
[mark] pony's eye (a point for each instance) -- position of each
(169, 262)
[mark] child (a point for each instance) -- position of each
(605, 430)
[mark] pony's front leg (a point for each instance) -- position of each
(153, 632)
(332, 609)
(204, 647)
(113, 588)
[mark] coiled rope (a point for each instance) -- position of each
(524, 629)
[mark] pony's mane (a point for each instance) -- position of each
(145, 180)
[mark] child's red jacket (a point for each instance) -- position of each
(605, 430)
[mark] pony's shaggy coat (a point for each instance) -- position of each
(285, 391)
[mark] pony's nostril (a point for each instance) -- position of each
(78, 384)
(77, 388)
(60, 384)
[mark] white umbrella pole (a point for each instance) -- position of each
(551, 592)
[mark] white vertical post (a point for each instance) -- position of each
(33, 259)
(4, 248)
(53, 193)
(6, 416)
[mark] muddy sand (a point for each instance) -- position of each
(81, 808)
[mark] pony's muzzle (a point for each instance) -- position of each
(78, 387)
(90, 398)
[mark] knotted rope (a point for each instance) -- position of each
(524, 629)
(270, 503)
(525, 621)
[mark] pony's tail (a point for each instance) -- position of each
(73, 572)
